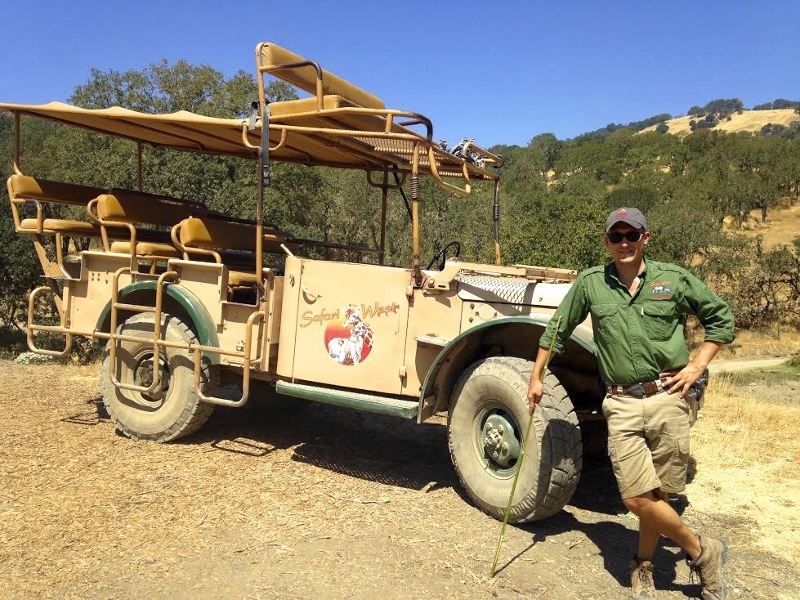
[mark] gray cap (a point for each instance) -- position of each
(631, 216)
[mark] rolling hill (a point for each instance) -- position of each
(748, 120)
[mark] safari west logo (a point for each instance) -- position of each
(367, 311)
(348, 337)
(661, 290)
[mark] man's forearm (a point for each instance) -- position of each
(538, 366)
(705, 355)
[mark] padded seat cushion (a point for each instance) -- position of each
(53, 226)
(147, 249)
(304, 113)
(292, 107)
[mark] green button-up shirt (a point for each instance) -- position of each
(640, 336)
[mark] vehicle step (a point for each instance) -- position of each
(385, 405)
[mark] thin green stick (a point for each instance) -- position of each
(519, 462)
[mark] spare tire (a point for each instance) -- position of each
(174, 409)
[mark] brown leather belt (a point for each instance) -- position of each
(636, 390)
(642, 389)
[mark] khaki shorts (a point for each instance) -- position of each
(648, 442)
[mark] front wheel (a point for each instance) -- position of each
(173, 410)
(486, 428)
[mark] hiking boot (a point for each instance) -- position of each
(709, 565)
(642, 587)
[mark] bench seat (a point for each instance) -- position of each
(127, 210)
(226, 242)
(336, 111)
(25, 190)
(142, 224)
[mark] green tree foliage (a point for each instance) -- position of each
(762, 286)
(723, 108)
(780, 103)
(555, 194)
(165, 88)
(634, 125)
(19, 268)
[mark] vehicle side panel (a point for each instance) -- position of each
(434, 320)
(350, 322)
(85, 298)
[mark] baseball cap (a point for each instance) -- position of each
(631, 216)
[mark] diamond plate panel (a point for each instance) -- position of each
(514, 290)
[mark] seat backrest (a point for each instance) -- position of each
(220, 234)
(129, 207)
(214, 233)
(273, 59)
(25, 187)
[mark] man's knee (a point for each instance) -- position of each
(636, 504)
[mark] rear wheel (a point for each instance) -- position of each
(486, 428)
(173, 410)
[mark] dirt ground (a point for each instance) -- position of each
(328, 504)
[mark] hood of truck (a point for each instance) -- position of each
(510, 290)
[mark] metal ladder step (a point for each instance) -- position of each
(385, 405)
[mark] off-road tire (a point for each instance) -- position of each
(497, 387)
(166, 415)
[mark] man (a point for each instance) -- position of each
(637, 308)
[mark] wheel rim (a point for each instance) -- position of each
(498, 440)
(143, 376)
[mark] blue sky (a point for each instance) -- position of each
(500, 72)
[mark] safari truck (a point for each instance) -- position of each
(185, 297)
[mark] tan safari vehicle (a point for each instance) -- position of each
(185, 297)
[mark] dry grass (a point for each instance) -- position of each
(780, 228)
(749, 120)
(749, 452)
(761, 344)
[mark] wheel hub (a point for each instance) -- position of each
(143, 375)
(499, 441)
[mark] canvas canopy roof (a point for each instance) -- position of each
(338, 133)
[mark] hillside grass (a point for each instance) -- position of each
(780, 228)
(748, 120)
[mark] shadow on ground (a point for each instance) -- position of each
(367, 446)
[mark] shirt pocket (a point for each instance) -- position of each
(659, 320)
(605, 318)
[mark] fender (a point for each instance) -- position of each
(462, 350)
(203, 323)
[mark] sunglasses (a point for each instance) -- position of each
(615, 237)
